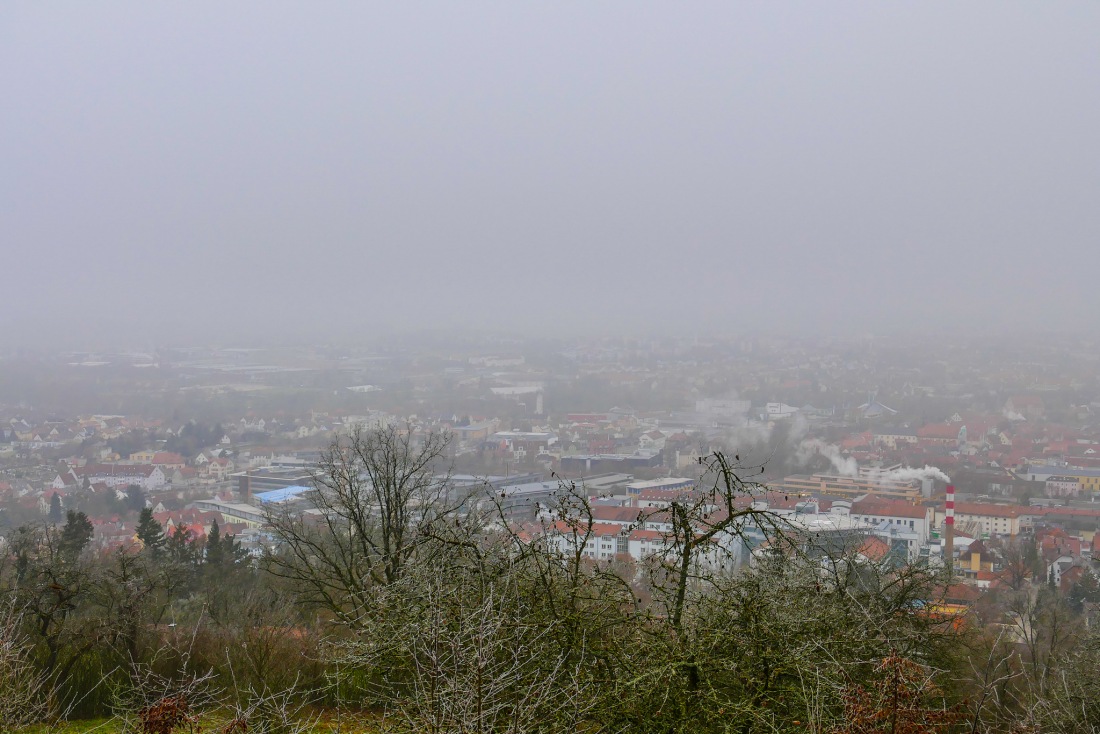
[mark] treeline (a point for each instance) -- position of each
(87, 629)
(435, 614)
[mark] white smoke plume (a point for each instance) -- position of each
(908, 474)
(845, 466)
(1012, 415)
(770, 443)
(799, 427)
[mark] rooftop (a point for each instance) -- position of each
(283, 494)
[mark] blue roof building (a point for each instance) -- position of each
(284, 494)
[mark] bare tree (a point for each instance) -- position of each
(377, 489)
(1071, 704)
(1046, 628)
(708, 528)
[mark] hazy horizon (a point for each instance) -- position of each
(270, 171)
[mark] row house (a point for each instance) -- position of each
(988, 519)
(600, 541)
(145, 476)
(1062, 486)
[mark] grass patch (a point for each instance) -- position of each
(329, 724)
(94, 726)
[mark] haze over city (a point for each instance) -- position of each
(525, 368)
(272, 171)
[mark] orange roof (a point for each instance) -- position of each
(874, 548)
(942, 431)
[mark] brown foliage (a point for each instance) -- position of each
(167, 716)
(897, 703)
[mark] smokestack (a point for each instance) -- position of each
(949, 529)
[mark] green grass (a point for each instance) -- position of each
(329, 725)
(98, 726)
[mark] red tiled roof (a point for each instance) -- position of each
(616, 514)
(942, 431)
(874, 549)
(646, 535)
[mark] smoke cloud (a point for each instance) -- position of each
(908, 474)
(845, 466)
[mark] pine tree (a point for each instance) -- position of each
(150, 532)
(234, 553)
(76, 534)
(135, 498)
(55, 509)
(180, 545)
(215, 554)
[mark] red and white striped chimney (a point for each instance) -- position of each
(949, 523)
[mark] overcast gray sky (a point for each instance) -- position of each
(183, 171)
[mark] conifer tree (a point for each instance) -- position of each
(55, 509)
(76, 534)
(215, 557)
(150, 532)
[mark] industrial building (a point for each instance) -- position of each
(844, 486)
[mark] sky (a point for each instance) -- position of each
(204, 172)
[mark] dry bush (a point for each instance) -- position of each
(153, 703)
(271, 712)
(22, 687)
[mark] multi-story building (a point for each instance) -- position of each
(1088, 479)
(1062, 486)
(901, 524)
(145, 476)
(988, 519)
(637, 489)
(844, 486)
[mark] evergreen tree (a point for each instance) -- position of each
(1087, 589)
(234, 554)
(135, 498)
(55, 509)
(76, 534)
(149, 531)
(180, 546)
(215, 558)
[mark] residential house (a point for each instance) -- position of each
(1062, 486)
(145, 476)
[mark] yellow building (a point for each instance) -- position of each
(838, 486)
(1089, 482)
